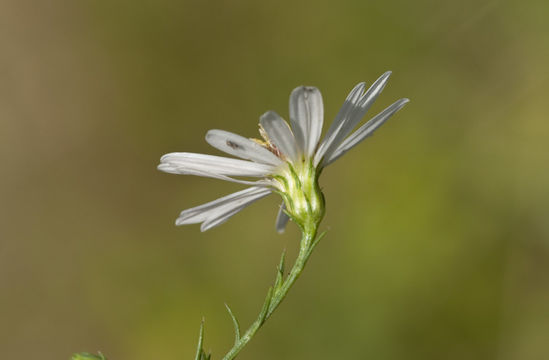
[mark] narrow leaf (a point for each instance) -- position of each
(199, 351)
(280, 272)
(266, 304)
(315, 242)
(235, 323)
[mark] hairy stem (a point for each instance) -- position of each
(276, 295)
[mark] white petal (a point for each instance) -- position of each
(281, 219)
(306, 117)
(221, 206)
(181, 171)
(280, 134)
(223, 213)
(366, 101)
(240, 146)
(365, 130)
(350, 115)
(190, 163)
(348, 105)
(209, 224)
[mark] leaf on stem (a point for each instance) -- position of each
(235, 323)
(200, 353)
(315, 242)
(280, 272)
(265, 308)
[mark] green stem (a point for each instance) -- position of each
(276, 296)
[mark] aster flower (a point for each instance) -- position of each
(288, 160)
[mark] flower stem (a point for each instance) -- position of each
(279, 292)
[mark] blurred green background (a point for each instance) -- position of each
(439, 242)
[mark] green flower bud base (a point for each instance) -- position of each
(298, 186)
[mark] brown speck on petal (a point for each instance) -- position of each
(233, 145)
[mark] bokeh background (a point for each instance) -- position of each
(438, 243)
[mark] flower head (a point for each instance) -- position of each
(288, 160)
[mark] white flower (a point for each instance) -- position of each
(288, 161)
